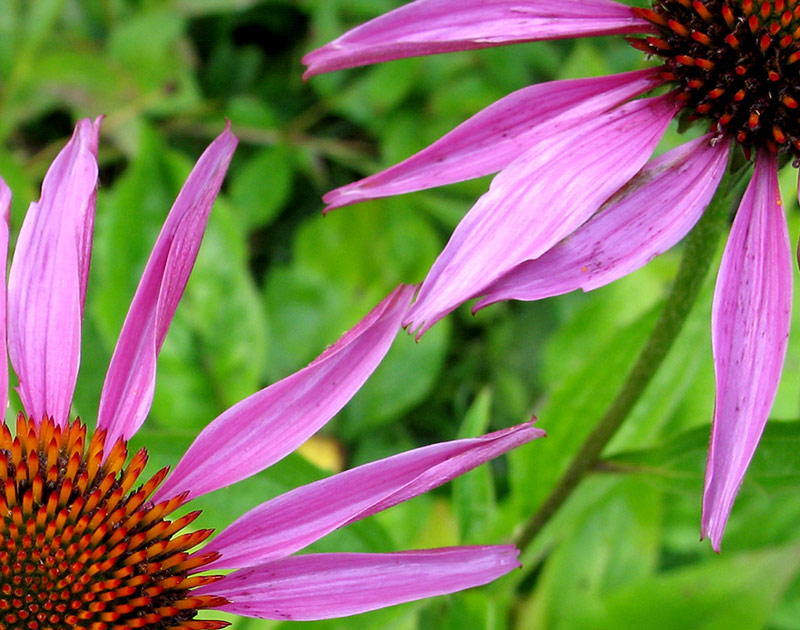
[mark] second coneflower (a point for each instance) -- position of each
(85, 545)
(577, 205)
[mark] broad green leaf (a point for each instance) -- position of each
(473, 492)
(473, 609)
(571, 410)
(160, 29)
(679, 463)
(260, 188)
(733, 591)
(613, 544)
(403, 379)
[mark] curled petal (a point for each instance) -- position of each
(750, 330)
(497, 135)
(130, 381)
(322, 586)
(538, 200)
(428, 27)
(270, 424)
(648, 216)
(294, 520)
(47, 281)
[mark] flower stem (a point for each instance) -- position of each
(699, 251)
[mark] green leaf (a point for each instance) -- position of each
(403, 379)
(734, 591)
(260, 187)
(473, 492)
(679, 463)
(611, 543)
(574, 405)
(473, 610)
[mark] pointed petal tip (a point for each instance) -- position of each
(418, 328)
(227, 136)
(87, 131)
(339, 198)
(714, 537)
(523, 432)
(309, 72)
(540, 433)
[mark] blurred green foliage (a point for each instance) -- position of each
(276, 282)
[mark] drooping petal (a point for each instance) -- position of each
(294, 520)
(750, 330)
(428, 27)
(647, 217)
(270, 424)
(497, 135)
(130, 381)
(47, 281)
(538, 200)
(5, 215)
(322, 586)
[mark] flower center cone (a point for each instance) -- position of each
(81, 548)
(733, 62)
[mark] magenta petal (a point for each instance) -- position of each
(538, 200)
(322, 586)
(428, 27)
(750, 330)
(294, 520)
(270, 424)
(47, 281)
(653, 212)
(5, 211)
(497, 135)
(130, 381)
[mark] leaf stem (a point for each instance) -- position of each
(701, 245)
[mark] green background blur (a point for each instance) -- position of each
(276, 282)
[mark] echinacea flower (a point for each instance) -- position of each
(577, 204)
(84, 545)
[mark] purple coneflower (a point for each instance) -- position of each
(84, 546)
(576, 204)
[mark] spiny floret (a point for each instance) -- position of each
(733, 62)
(80, 549)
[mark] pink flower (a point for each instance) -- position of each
(577, 204)
(82, 547)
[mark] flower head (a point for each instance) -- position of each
(578, 203)
(86, 544)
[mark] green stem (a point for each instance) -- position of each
(699, 251)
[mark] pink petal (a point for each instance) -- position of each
(5, 211)
(130, 381)
(648, 216)
(538, 200)
(47, 282)
(270, 424)
(428, 27)
(497, 135)
(322, 586)
(294, 520)
(750, 330)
